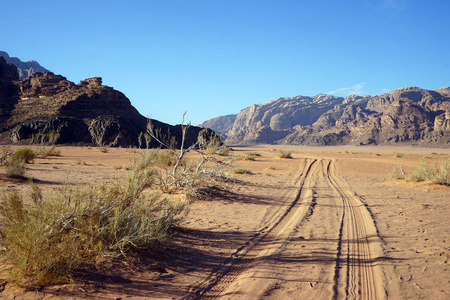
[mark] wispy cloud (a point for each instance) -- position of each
(356, 89)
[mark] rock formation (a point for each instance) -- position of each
(24, 69)
(407, 115)
(48, 108)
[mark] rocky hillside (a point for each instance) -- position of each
(24, 69)
(48, 108)
(407, 115)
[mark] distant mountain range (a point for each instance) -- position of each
(45, 107)
(408, 115)
(24, 69)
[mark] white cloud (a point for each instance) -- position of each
(356, 89)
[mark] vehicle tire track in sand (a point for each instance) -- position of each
(246, 256)
(357, 276)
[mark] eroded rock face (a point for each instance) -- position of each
(407, 115)
(48, 108)
(274, 120)
(442, 122)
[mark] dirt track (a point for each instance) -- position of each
(323, 225)
(270, 260)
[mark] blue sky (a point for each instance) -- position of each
(215, 57)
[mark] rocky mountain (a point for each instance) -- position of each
(48, 108)
(407, 115)
(24, 69)
(220, 124)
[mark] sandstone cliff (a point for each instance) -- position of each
(24, 69)
(407, 115)
(48, 108)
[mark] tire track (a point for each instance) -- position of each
(357, 275)
(247, 256)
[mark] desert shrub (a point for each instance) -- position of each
(176, 174)
(399, 154)
(80, 162)
(422, 172)
(215, 146)
(440, 174)
(103, 149)
(50, 137)
(45, 152)
(241, 171)
(249, 156)
(397, 173)
(15, 168)
(193, 178)
(25, 155)
(284, 154)
(47, 240)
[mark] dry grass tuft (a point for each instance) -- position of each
(439, 174)
(45, 152)
(398, 154)
(241, 171)
(284, 154)
(46, 241)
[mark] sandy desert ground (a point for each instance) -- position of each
(325, 224)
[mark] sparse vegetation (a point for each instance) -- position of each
(15, 168)
(49, 138)
(80, 162)
(47, 240)
(25, 155)
(175, 174)
(45, 152)
(284, 154)
(397, 173)
(15, 161)
(398, 154)
(241, 171)
(249, 156)
(439, 174)
(103, 149)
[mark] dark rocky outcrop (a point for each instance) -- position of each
(48, 108)
(407, 115)
(24, 69)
